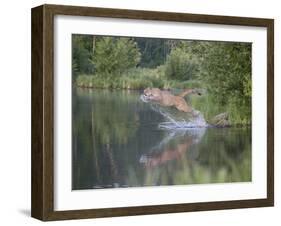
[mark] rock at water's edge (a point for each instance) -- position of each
(220, 120)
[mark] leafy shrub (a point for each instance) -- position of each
(180, 65)
(227, 75)
(113, 56)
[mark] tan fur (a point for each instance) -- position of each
(168, 154)
(165, 98)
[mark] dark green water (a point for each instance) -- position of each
(116, 142)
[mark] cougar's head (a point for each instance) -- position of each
(152, 94)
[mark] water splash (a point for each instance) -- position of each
(143, 99)
(177, 120)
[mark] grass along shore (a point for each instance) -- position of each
(135, 79)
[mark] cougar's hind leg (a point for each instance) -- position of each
(182, 106)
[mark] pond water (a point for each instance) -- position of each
(117, 142)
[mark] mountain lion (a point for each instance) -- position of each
(165, 98)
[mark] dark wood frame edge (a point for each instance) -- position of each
(42, 197)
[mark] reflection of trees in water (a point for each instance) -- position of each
(112, 130)
(231, 152)
(104, 126)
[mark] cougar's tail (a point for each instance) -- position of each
(190, 91)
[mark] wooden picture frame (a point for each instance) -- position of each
(42, 203)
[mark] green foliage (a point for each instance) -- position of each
(81, 54)
(227, 75)
(113, 56)
(206, 104)
(180, 65)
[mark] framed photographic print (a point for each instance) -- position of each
(141, 112)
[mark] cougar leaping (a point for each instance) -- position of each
(165, 98)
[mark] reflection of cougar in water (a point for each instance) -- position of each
(165, 98)
(168, 154)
